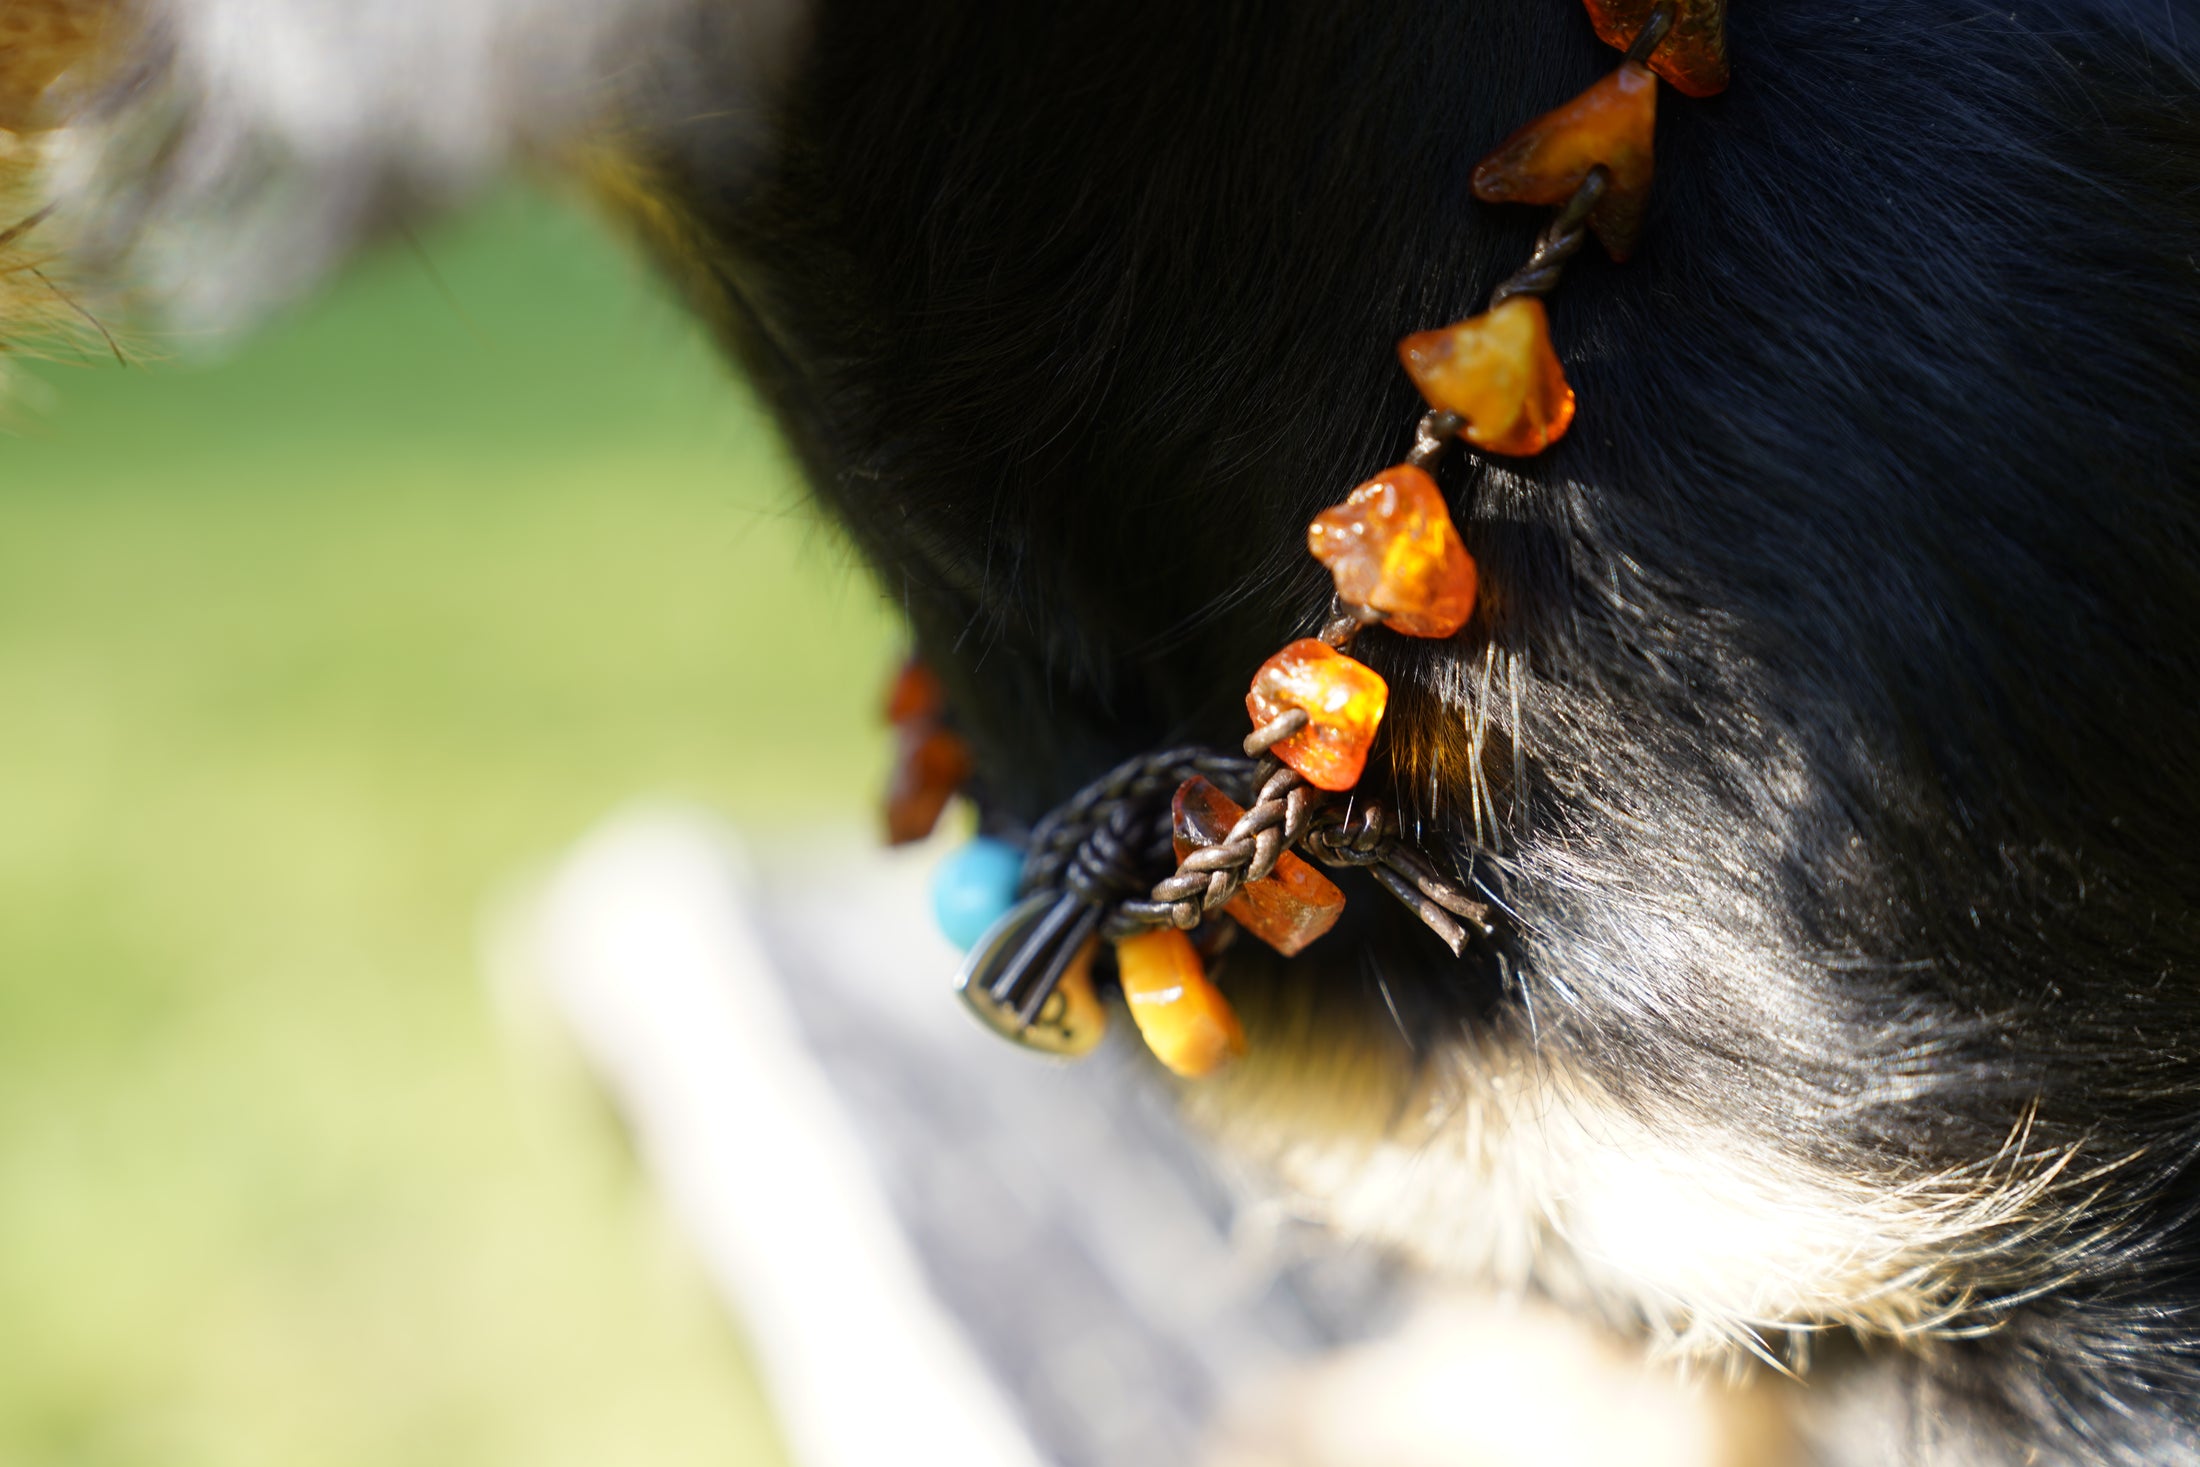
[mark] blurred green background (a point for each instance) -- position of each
(302, 659)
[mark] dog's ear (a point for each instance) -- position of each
(220, 157)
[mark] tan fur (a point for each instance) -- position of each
(1497, 1165)
(612, 175)
(32, 313)
(44, 44)
(40, 40)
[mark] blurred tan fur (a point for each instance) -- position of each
(42, 43)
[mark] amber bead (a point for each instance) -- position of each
(916, 694)
(1497, 371)
(1186, 1021)
(931, 763)
(1287, 909)
(1392, 546)
(1693, 54)
(1343, 700)
(1613, 123)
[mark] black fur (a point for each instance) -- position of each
(1856, 619)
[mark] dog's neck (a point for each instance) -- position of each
(1832, 719)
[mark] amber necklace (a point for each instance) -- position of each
(1034, 919)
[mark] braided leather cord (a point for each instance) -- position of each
(1100, 846)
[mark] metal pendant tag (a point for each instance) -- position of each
(1029, 977)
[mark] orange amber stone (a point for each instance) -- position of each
(1693, 54)
(931, 763)
(1392, 546)
(1187, 1023)
(1496, 370)
(916, 694)
(1612, 123)
(1288, 909)
(1344, 699)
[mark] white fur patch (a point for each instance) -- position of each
(1500, 1384)
(1500, 1167)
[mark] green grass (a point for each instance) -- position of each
(301, 658)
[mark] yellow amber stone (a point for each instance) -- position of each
(1289, 908)
(1392, 546)
(1343, 699)
(1693, 54)
(1497, 371)
(1614, 123)
(1187, 1023)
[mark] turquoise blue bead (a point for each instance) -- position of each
(974, 887)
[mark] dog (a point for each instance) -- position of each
(1825, 735)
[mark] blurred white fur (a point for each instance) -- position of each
(242, 148)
